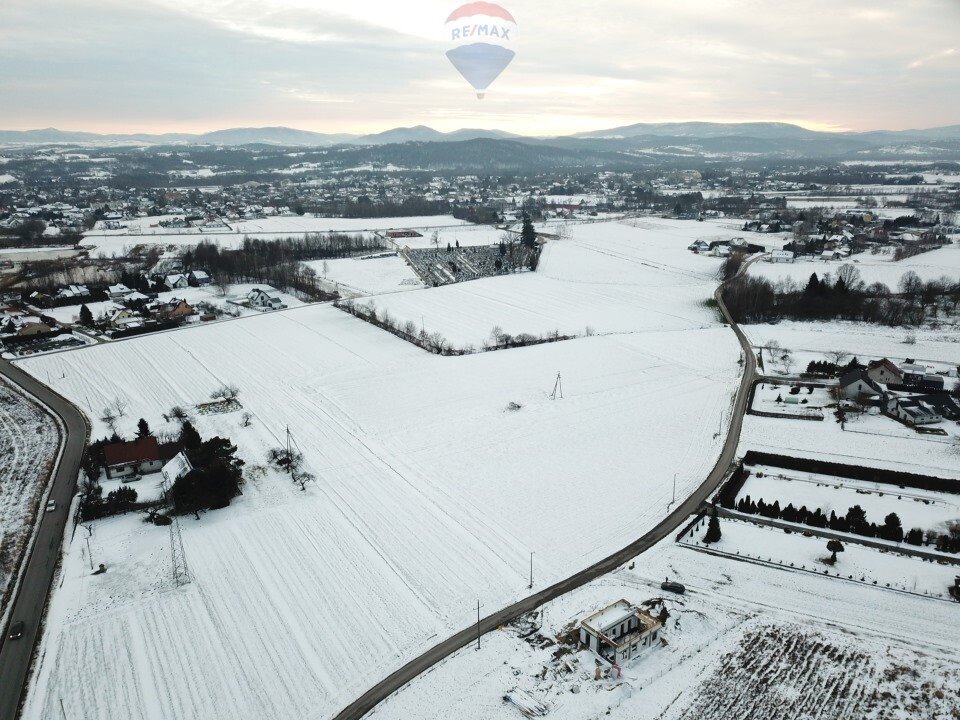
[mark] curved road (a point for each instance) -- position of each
(29, 602)
(393, 682)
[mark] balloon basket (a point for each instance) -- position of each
(480, 95)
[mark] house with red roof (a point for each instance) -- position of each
(137, 457)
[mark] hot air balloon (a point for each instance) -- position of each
(482, 34)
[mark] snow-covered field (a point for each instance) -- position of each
(430, 495)
(863, 340)
(147, 231)
(609, 277)
(873, 268)
(367, 275)
(746, 640)
(29, 439)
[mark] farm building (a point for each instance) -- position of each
(619, 632)
(912, 411)
(778, 256)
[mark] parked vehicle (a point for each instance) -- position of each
(51, 505)
(673, 586)
(16, 630)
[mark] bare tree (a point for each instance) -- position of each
(177, 413)
(786, 361)
(246, 419)
(109, 418)
(227, 391)
(119, 406)
(303, 477)
(772, 347)
(850, 276)
(838, 356)
(222, 282)
(288, 461)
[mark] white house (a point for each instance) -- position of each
(619, 632)
(884, 371)
(262, 300)
(857, 384)
(778, 256)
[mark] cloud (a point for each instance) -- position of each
(927, 59)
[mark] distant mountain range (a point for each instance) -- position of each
(641, 141)
(282, 136)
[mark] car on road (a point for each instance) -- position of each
(16, 630)
(673, 586)
(51, 505)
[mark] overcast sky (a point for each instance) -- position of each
(368, 65)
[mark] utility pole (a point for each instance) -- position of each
(289, 456)
(62, 711)
(557, 388)
(89, 553)
(674, 490)
(531, 570)
(478, 623)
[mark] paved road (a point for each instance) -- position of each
(29, 603)
(379, 692)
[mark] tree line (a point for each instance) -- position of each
(278, 262)
(854, 522)
(843, 296)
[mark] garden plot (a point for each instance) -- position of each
(607, 278)
(857, 563)
(746, 640)
(370, 275)
(431, 492)
(924, 509)
(808, 402)
(29, 440)
(859, 442)
(873, 268)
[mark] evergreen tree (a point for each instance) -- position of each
(86, 317)
(713, 528)
(834, 546)
(528, 236)
(813, 285)
(914, 537)
(189, 436)
(892, 529)
(143, 430)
